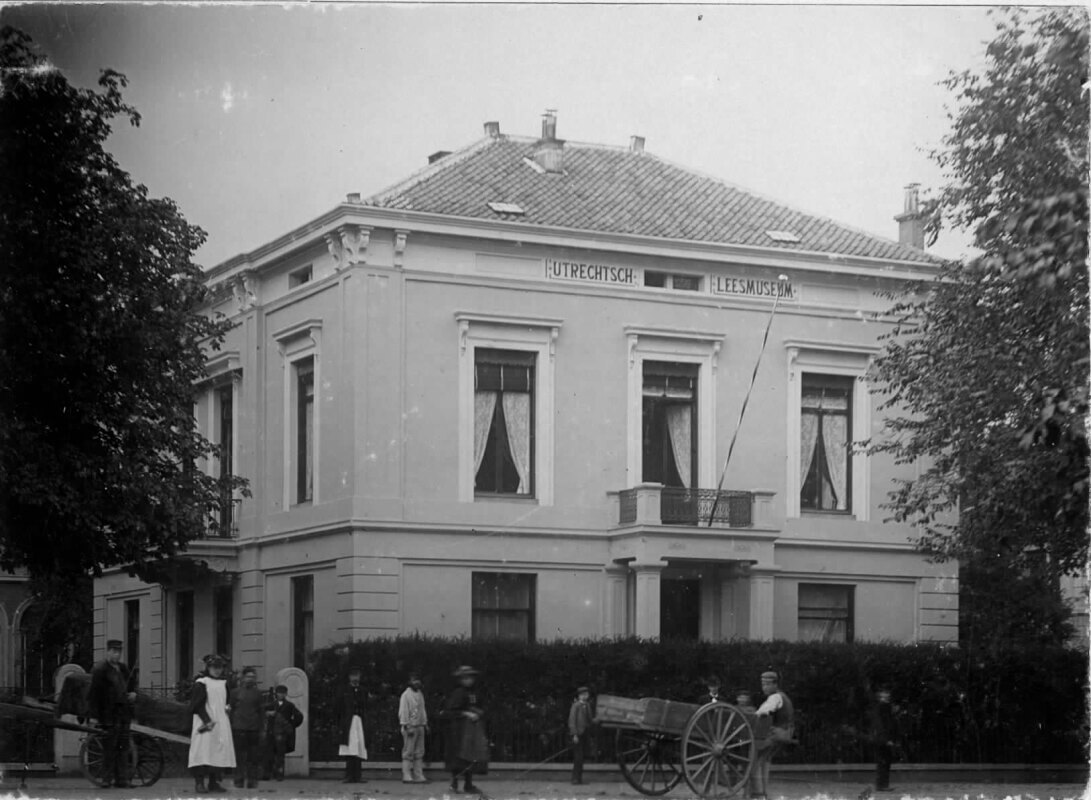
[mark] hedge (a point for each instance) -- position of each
(954, 706)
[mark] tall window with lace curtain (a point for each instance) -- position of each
(504, 422)
(670, 423)
(825, 443)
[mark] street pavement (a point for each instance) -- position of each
(506, 788)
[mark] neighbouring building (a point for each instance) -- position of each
(496, 400)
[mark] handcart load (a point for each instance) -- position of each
(155, 719)
(660, 742)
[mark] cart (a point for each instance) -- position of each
(146, 757)
(660, 742)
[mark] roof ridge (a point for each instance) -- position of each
(783, 204)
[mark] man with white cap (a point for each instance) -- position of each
(778, 708)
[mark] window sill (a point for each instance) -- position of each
(494, 496)
(815, 512)
(304, 504)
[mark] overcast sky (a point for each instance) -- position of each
(257, 119)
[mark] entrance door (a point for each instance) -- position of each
(679, 608)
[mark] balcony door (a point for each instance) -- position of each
(670, 424)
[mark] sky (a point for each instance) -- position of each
(258, 118)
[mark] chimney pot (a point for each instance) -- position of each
(636, 144)
(549, 125)
(911, 220)
(549, 151)
(492, 129)
(353, 197)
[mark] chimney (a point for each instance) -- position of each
(549, 150)
(492, 130)
(352, 197)
(636, 144)
(911, 220)
(436, 156)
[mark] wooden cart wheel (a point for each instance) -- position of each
(648, 760)
(147, 759)
(93, 760)
(717, 751)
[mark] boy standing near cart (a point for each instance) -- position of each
(777, 707)
(579, 728)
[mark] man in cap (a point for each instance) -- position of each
(413, 718)
(282, 718)
(777, 707)
(353, 747)
(579, 726)
(111, 702)
(246, 704)
(465, 742)
(884, 737)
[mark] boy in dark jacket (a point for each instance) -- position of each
(579, 726)
(247, 703)
(465, 744)
(282, 718)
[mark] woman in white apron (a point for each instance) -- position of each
(211, 749)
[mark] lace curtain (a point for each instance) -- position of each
(835, 445)
(484, 408)
(680, 430)
(517, 415)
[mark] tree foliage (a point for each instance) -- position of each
(985, 375)
(102, 342)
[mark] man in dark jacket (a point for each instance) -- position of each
(110, 700)
(247, 704)
(884, 736)
(465, 744)
(350, 702)
(579, 729)
(282, 718)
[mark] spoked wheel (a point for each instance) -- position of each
(145, 760)
(93, 760)
(146, 766)
(648, 760)
(717, 751)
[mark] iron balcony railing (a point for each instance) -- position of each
(227, 520)
(680, 506)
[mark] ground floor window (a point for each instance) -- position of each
(132, 633)
(223, 602)
(503, 606)
(680, 608)
(184, 626)
(825, 612)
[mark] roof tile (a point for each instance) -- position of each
(611, 189)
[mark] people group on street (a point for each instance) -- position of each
(250, 732)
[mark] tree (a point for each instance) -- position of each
(985, 373)
(102, 341)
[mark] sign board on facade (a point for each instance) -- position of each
(580, 272)
(752, 287)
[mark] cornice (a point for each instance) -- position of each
(333, 222)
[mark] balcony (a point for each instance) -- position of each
(655, 504)
(227, 520)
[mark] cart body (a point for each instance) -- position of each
(661, 742)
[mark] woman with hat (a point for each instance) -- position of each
(465, 743)
(211, 749)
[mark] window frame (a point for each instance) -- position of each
(184, 632)
(219, 618)
(694, 444)
(303, 376)
(297, 343)
(498, 411)
(683, 347)
(132, 633)
(531, 610)
(521, 333)
(829, 359)
(850, 610)
(825, 381)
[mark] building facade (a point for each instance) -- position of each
(497, 399)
